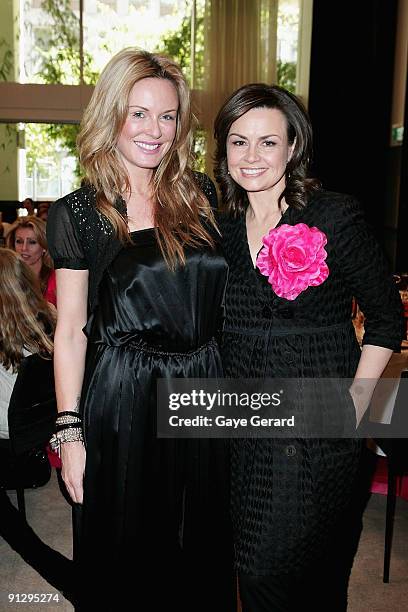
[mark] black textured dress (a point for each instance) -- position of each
(155, 513)
(289, 496)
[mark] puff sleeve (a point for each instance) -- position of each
(365, 271)
(63, 238)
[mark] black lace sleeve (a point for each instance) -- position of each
(365, 271)
(63, 238)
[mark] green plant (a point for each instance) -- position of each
(6, 62)
(59, 49)
(177, 45)
(8, 139)
(287, 75)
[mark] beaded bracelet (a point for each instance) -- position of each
(65, 426)
(68, 434)
(71, 413)
(63, 420)
(68, 417)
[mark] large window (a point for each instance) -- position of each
(57, 46)
(50, 42)
(53, 49)
(57, 52)
(49, 169)
(287, 43)
(110, 26)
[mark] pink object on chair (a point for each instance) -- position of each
(53, 458)
(380, 480)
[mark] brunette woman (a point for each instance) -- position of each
(297, 256)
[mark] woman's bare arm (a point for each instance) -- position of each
(372, 363)
(69, 363)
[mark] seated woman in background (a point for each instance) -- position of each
(27, 237)
(27, 328)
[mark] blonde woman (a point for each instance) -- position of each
(139, 271)
(27, 236)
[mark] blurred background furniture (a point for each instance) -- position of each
(396, 452)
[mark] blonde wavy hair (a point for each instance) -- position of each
(27, 320)
(180, 205)
(39, 229)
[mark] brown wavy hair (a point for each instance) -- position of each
(39, 228)
(299, 131)
(180, 205)
(27, 319)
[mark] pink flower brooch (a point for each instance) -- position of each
(293, 259)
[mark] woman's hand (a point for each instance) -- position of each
(73, 466)
(361, 393)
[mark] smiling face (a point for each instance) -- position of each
(258, 150)
(150, 125)
(26, 245)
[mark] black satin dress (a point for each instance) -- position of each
(155, 524)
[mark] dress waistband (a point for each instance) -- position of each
(289, 331)
(142, 345)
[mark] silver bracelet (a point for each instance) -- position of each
(72, 434)
(66, 419)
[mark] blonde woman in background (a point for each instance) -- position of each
(27, 324)
(27, 236)
(138, 269)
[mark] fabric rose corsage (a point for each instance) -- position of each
(293, 259)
